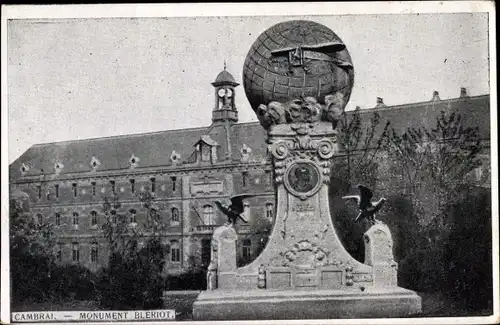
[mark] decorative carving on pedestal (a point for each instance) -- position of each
(298, 86)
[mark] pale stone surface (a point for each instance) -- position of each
(298, 304)
(379, 254)
(304, 271)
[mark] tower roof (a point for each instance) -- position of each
(225, 78)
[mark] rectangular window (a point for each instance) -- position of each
(39, 188)
(246, 251)
(174, 180)
(132, 185)
(74, 190)
(113, 186)
(205, 251)
(56, 187)
(58, 219)
(269, 211)
(93, 218)
(175, 215)
(94, 253)
(208, 215)
(76, 252)
(153, 185)
(244, 178)
(93, 188)
(59, 252)
(175, 251)
(133, 216)
(75, 219)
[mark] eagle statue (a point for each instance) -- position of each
(367, 208)
(234, 211)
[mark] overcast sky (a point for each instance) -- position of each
(74, 79)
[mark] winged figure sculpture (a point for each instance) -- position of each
(234, 211)
(367, 208)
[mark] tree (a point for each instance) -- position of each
(133, 277)
(451, 217)
(361, 150)
(432, 163)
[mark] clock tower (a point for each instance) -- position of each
(224, 109)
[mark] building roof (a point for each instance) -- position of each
(155, 149)
(224, 77)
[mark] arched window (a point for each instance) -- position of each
(113, 216)
(246, 249)
(76, 252)
(94, 252)
(153, 214)
(269, 211)
(175, 251)
(39, 219)
(59, 249)
(208, 214)
(93, 218)
(58, 219)
(133, 216)
(75, 219)
(246, 210)
(175, 215)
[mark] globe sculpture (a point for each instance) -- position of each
(298, 77)
(298, 71)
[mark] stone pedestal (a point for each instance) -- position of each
(304, 271)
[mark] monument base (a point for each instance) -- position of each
(302, 304)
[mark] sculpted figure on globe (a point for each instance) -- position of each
(298, 71)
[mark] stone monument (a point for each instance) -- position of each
(298, 77)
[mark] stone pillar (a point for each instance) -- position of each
(379, 255)
(222, 268)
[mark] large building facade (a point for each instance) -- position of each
(185, 171)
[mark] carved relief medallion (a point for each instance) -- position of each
(302, 179)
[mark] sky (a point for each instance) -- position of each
(70, 79)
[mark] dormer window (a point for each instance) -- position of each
(206, 149)
(205, 153)
(24, 169)
(58, 167)
(175, 157)
(94, 163)
(134, 161)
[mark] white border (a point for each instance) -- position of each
(261, 9)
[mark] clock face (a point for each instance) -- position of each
(229, 93)
(221, 92)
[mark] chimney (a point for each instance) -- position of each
(380, 102)
(435, 96)
(463, 92)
